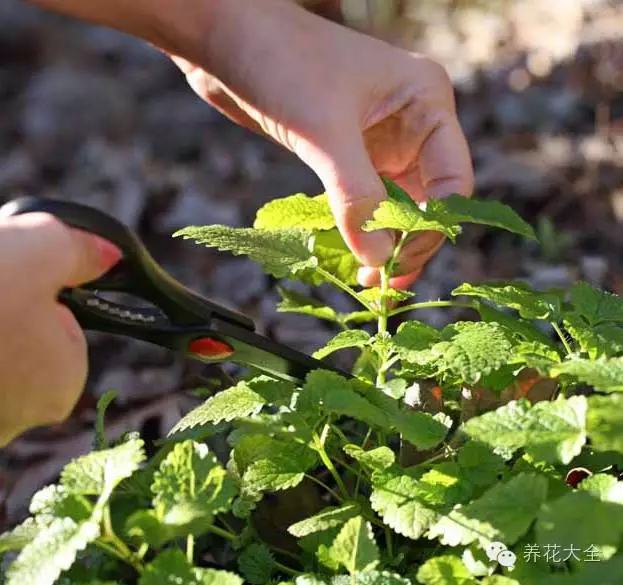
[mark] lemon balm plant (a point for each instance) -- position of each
(485, 452)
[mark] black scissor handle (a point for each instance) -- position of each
(137, 273)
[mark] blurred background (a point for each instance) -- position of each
(91, 115)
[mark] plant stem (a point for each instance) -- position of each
(326, 460)
(116, 543)
(287, 570)
(363, 446)
(285, 553)
(560, 334)
(347, 289)
(347, 466)
(387, 272)
(389, 542)
(190, 548)
(226, 534)
(340, 434)
(430, 305)
(383, 314)
(323, 485)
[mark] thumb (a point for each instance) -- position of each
(52, 254)
(355, 191)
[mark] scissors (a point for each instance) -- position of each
(177, 318)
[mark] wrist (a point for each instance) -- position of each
(176, 26)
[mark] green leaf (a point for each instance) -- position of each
(190, 486)
(278, 473)
(421, 429)
(408, 218)
(605, 375)
(52, 551)
(215, 577)
(102, 471)
(409, 505)
(396, 193)
(535, 355)
(20, 536)
(412, 339)
(280, 252)
(369, 578)
(479, 464)
(335, 257)
(444, 570)
(605, 422)
(550, 431)
(239, 401)
(457, 209)
(171, 566)
(372, 296)
(146, 526)
(330, 517)
(296, 211)
(374, 460)
(606, 488)
(294, 302)
(603, 340)
(256, 563)
(55, 501)
(354, 547)
(519, 327)
(358, 317)
(344, 340)
(269, 464)
(503, 513)
(475, 349)
(102, 405)
(331, 393)
(252, 446)
(518, 296)
(596, 306)
(582, 520)
(592, 573)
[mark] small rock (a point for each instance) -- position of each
(239, 281)
(594, 269)
(194, 206)
(66, 106)
(109, 178)
(120, 379)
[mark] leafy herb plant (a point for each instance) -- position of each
(485, 452)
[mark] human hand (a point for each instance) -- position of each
(43, 362)
(350, 106)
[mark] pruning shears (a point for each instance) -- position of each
(176, 318)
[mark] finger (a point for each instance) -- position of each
(50, 253)
(444, 161)
(418, 251)
(405, 281)
(354, 189)
(368, 276)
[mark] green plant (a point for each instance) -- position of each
(444, 442)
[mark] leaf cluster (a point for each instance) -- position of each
(442, 442)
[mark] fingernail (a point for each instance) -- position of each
(368, 276)
(109, 253)
(375, 248)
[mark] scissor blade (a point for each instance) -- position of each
(276, 359)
